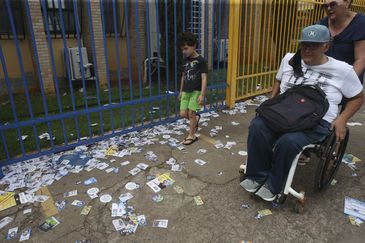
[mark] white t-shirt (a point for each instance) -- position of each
(336, 79)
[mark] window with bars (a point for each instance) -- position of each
(68, 17)
(5, 27)
(109, 18)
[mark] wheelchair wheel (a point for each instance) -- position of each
(280, 199)
(330, 157)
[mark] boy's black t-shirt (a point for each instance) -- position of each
(192, 70)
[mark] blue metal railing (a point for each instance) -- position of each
(125, 105)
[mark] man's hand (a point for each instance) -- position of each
(179, 96)
(340, 128)
(201, 99)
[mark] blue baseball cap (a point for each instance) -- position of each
(315, 33)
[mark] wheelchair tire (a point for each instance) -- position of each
(330, 158)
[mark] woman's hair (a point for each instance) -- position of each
(187, 38)
(296, 63)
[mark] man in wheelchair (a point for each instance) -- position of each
(270, 154)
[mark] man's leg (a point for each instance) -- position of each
(286, 148)
(259, 145)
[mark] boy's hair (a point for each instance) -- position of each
(187, 38)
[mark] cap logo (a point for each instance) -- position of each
(312, 33)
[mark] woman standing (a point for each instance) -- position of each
(347, 29)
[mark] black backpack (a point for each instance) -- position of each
(299, 108)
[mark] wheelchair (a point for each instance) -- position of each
(329, 153)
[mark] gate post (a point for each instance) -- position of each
(233, 36)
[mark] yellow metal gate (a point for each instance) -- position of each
(260, 33)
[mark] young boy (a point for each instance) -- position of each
(193, 84)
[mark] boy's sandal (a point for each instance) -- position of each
(188, 141)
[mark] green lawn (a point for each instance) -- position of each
(120, 118)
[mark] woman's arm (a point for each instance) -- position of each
(352, 105)
(359, 63)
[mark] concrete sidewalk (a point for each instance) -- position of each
(220, 218)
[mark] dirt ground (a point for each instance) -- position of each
(220, 218)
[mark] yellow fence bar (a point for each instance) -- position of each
(234, 23)
(260, 33)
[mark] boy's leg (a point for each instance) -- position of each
(192, 125)
(193, 108)
(184, 104)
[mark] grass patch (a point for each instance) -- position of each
(76, 127)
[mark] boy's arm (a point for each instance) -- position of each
(181, 86)
(204, 87)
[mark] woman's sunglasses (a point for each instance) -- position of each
(331, 5)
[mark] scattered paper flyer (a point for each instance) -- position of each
(176, 168)
(25, 234)
(178, 189)
(218, 145)
(142, 166)
(129, 229)
(12, 233)
(242, 153)
(201, 151)
(40, 198)
(61, 205)
(70, 194)
(355, 208)
(355, 221)
(26, 211)
(78, 203)
(171, 161)
(352, 124)
(142, 221)
(5, 221)
(153, 186)
(118, 210)
(49, 223)
(118, 224)
(263, 213)
(198, 200)
(110, 169)
(125, 163)
(90, 181)
(134, 171)
(86, 210)
(160, 223)
(125, 197)
(102, 166)
(200, 162)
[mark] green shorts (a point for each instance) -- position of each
(189, 100)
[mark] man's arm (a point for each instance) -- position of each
(352, 106)
(359, 63)
(204, 87)
(275, 89)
